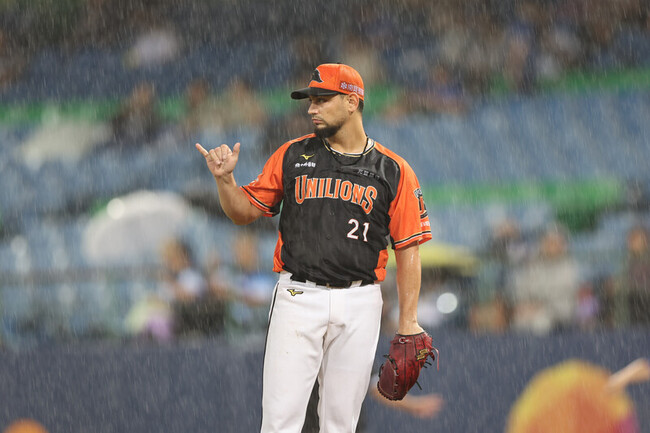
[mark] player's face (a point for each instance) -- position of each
(328, 114)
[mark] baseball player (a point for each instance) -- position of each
(342, 198)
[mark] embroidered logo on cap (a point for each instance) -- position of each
(316, 76)
(351, 87)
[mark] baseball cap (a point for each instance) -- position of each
(330, 79)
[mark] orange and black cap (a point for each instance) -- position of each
(332, 79)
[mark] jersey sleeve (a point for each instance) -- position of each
(409, 221)
(266, 190)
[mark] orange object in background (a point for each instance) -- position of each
(25, 426)
(573, 396)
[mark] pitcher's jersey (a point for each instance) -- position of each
(339, 212)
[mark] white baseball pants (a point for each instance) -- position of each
(325, 333)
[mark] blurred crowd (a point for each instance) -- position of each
(538, 286)
(437, 57)
(528, 283)
(441, 54)
(198, 297)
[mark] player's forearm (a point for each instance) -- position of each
(234, 202)
(409, 272)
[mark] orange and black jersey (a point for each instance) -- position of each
(339, 211)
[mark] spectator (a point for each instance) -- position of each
(599, 31)
(137, 121)
(452, 32)
(202, 111)
(559, 48)
(359, 53)
(543, 296)
(587, 307)
(150, 318)
(306, 51)
(634, 292)
(156, 45)
(184, 286)
(506, 251)
(443, 93)
(482, 54)
(509, 248)
(12, 62)
(606, 289)
(253, 287)
(216, 301)
(239, 106)
(219, 279)
(440, 93)
(522, 45)
(101, 24)
(631, 42)
(179, 307)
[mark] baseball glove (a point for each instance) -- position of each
(406, 356)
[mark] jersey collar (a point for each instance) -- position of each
(370, 143)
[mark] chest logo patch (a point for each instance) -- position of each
(294, 292)
(318, 188)
(306, 156)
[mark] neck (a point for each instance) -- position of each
(351, 138)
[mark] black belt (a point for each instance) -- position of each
(331, 284)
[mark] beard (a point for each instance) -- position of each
(327, 131)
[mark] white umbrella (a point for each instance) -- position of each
(132, 227)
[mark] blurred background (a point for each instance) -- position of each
(527, 123)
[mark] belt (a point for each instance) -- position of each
(333, 284)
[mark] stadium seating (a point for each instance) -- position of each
(549, 138)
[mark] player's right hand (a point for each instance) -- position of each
(221, 160)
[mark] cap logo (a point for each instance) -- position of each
(316, 76)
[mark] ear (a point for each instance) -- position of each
(352, 100)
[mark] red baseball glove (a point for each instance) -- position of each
(407, 355)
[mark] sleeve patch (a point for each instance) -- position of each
(420, 198)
